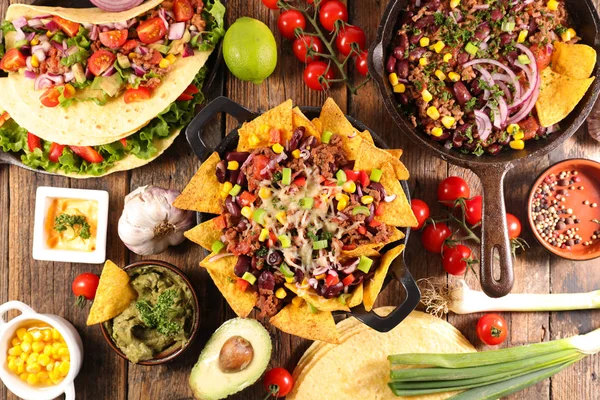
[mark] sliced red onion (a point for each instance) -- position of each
(359, 191)
(528, 2)
(29, 37)
(58, 79)
(20, 22)
(43, 16)
(493, 62)
(52, 26)
(139, 71)
(58, 47)
(305, 154)
(116, 5)
(131, 22)
(319, 271)
(30, 75)
(121, 25)
(143, 50)
(313, 283)
(484, 125)
(176, 31)
(532, 79)
(390, 198)
(505, 89)
(104, 29)
(40, 55)
(342, 216)
(88, 74)
(487, 77)
(552, 128)
(163, 16)
(35, 23)
(28, 63)
(525, 110)
(65, 45)
(69, 76)
(499, 78)
(352, 135)
(351, 268)
(453, 17)
(483, 45)
(72, 50)
(188, 51)
(43, 39)
(418, 3)
(108, 25)
(481, 7)
(43, 82)
(218, 256)
(503, 107)
(94, 33)
(110, 71)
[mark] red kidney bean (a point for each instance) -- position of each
(266, 281)
(379, 187)
(242, 266)
(402, 98)
(274, 258)
(221, 171)
(402, 69)
(414, 39)
(532, 25)
(232, 207)
(233, 176)
(299, 275)
(541, 131)
(494, 148)
(445, 135)
(517, 8)
(432, 4)
(506, 38)
(241, 226)
(461, 93)
(511, 57)
(405, 17)
(482, 31)
(457, 140)
(496, 15)
(462, 57)
(403, 41)
(475, 89)
(239, 156)
(296, 137)
(241, 179)
(390, 65)
(425, 22)
(399, 52)
(416, 53)
(329, 292)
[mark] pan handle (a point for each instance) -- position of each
(376, 61)
(494, 233)
(193, 132)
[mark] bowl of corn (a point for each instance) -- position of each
(40, 354)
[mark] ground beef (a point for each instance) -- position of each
(248, 169)
(52, 65)
(327, 157)
(268, 304)
(197, 20)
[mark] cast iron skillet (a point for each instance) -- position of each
(212, 63)
(195, 137)
(490, 169)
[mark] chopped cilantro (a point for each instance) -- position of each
(78, 223)
(262, 252)
(560, 29)
(478, 150)
(470, 104)
(277, 176)
(160, 316)
(440, 19)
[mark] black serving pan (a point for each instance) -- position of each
(491, 170)
(213, 64)
(196, 138)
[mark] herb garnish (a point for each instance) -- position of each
(160, 315)
(78, 223)
(262, 252)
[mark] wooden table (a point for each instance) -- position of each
(46, 286)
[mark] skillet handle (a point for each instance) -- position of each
(494, 234)
(193, 132)
(376, 61)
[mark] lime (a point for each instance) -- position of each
(250, 50)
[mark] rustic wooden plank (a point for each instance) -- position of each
(4, 241)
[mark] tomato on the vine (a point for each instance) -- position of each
(278, 382)
(272, 4)
(348, 35)
(303, 43)
(314, 71)
(514, 226)
(288, 21)
(84, 287)
(421, 211)
(362, 64)
(434, 236)
(331, 12)
(473, 207)
(454, 259)
(451, 189)
(492, 329)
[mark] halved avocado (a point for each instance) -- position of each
(209, 382)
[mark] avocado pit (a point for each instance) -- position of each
(235, 355)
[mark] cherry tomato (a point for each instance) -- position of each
(151, 30)
(51, 97)
(4, 116)
(451, 189)
(85, 285)
(492, 329)
(135, 95)
(331, 12)
(56, 151)
(13, 60)
(100, 61)
(130, 45)
(288, 22)
(514, 226)
(278, 382)
(453, 259)
(421, 211)
(332, 279)
(188, 93)
(434, 236)
(114, 39)
(473, 207)
(33, 142)
(88, 153)
(542, 54)
(347, 36)
(313, 73)
(272, 4)
(258, 164)
(69, 27)
(362, 63)
(123, 142)
(303, 43)
(183, 11)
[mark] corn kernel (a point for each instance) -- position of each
(15, 342)
(424, 42)
(440, 75)
(47, 335)
(50, 366)
(433, 113)
(33, 368)
(349, 187)
(568, 34)
(454, 3)
(439, 46)
(297, 301)
(366, 200)
(393, 77)
(437, 131)
(280, 293)
(63, 353)
(453, 76)
(24, 376)
(164, 63)
(28, 338)
(247, 212)
(552, 5)
(233, 165)
(37, 336)
(254, 140)
(38, 347)
(281, 217)
(131, 56)
(35, 41)
(49, 34)
(34, 61)
(56, 334)
(15, 351)
(43, 377)
(47, 349)
(54, 374)
(227, 186)
(32, 379)
(12, 366)
(26, 347)
(399, 88)
(264, 234)
(448, 121)
(21, 333)
(517, 145)
(64, 368)
(171, 58)
(277, 148)
(322, 276)
(513, 128)
(32, 359)
(43, 360)
(423, 61)
(519, 135)
(24, 356)
(447, 57)
(522, 36)
(427, 97)
(342, 201)
(264, 193)
(296, 153)
(289, 279)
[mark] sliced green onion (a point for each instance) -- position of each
(248, 277)
(235, 190)
(524, 59)
(320, 244)
(342, 298)
(217, 246)
(312, 308)
(286, 271)
(471, 48)
(307, 203)
(361, 210)
(364, 264)
(259, 216)
(341, 177)
(285, 241)
(286, 176)
(326, 137)
(508, 26)
(375, 175)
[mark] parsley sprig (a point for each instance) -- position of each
(160, 316)
(78, 223)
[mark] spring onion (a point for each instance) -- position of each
(217, 246)
(248, 277)
(286, 178)
(375, 175)
(365, 264)
(488, 374)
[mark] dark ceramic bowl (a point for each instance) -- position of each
(171, 353)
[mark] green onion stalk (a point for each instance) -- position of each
(488, 374)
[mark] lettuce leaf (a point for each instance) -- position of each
(214, 14)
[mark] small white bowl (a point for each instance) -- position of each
(44, 197)
(68, 332)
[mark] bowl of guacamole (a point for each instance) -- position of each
(162, 322)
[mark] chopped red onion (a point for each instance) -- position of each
(131, 22)
(143, 50)
(319, 271)
(188, 51)
(72, 50)
(313, 283)
(19, 22)
(305, 154)
(65, 45)
(163, 16)
(121, 25)
(40, 55)
(30, 75)
(43, 38)
(503, 108)
(52, 26)
(351, 268)
(390, 198)
(43, 82)
(218, 256)
(94, 33)
(139, 71)
(176, 31)
(35, 23)
(110, 71)
(116, 5)
(552, 128)
(28, 63)
(69, 76)
(484, 125)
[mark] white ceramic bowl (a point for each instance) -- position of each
(68, 332)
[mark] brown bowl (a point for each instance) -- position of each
(172, 353)
(588, 172)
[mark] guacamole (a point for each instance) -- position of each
(159, 320)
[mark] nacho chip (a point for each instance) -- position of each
(334, 120)
(300, 321)
(257, 133)
(374, 285)
(574, 60)
(204, 234)
(317, 123)
(366, 136)
(396, 153)
(203, 193)
(301, 120)
(559, 94)
(368, 250)
(113, 296)
(356, 297)
(398, 211)
(221, 272)
(320, 303)
(370, 157)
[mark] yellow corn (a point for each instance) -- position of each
(32, 379)
(63, 368)
(33, 368)
(440, 75)
(453, 76)
(423, 61)
(264, 193)
(171, 58)
(227, 186)
(254, 140)
(519, 135)
(349, 187)
(342, 201)
(424, 42)
(12, 365)
(49, 34)
(21, 333)
(433, 113)
(322, 276)
(427, 97)
(522, 36)
(517, 144)
(552, 5)
(264, 234)
(277, 148)
(448, 121)
(280, 293)
(454, 3)
(48, 350)
(56, 335)
(43, 360)
(38, 347)
(281, 217)
(447, 57)
(513, 128)
(28, 338)
(399, 88)
(289, 279)
(366, 199)
(47, 335)
(568, 34)
(439, 46)
(393, 77)
(296, 153)
(297, 301)
(26, 347)
(233, 165)
(437, 131)
(15, 342)
(35, 41)
(34, 61)
(37, 336)
(164, 63)
(15, 351)
(247, 212)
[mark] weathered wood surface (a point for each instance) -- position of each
(46, 286)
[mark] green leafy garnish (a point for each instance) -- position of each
(160, 316)
(78, 223)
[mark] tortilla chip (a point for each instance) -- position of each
(374, 285)
(559, 94)
(320, 303)
(396, 153)
(356, 297)
(301, 120)
(368, 250)
(317, 123)
(398, 211)
(221, 272)
(370, 157)
(574, 60)
(334, 120)
(203, 193)
(366, 136)
(257, 133)
(113, 296)
(300, 321)
(204, 234)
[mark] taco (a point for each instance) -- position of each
(90, 93)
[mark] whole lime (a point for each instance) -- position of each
(250, 50)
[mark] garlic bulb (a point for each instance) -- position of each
(150, 223)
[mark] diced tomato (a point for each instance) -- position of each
(185, 97)
(134, 95)
(364, 179)
(241, 248)
(379, 211)
(130, 45)
(220, 222)
(4, 117)
(51, 97)
(321, 179)
(56, 151)
(114, 39)
(100, 61)
(329, 182)
(331, 279)
(530, 127)
(247, 198)
(272, 239)
(156, 58)
(300, 182)
(33, 142)
(151, 30)
(348, 280)
(349, 247)
(374, 223)
(69, 27)
(542, 54)
(318, 201)
(352, 175)
(275, 136)
(192, 89)
(258, 164)
(123, 142)
(13, 60)
(362, 230)
(242, 284)
(88, 153)
(183, 10)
